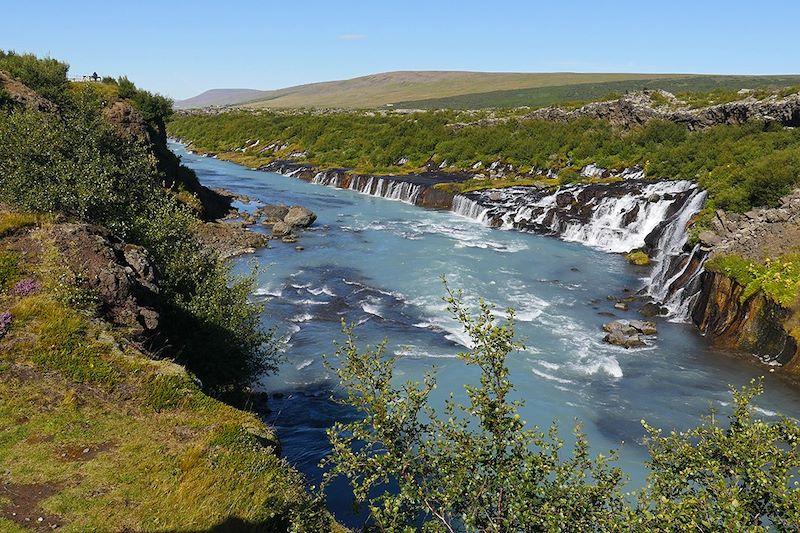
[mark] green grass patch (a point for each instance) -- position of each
(133, 442)
(582, 93)
(12, 221)
(778, 279)
(9, 269)
(60, 339)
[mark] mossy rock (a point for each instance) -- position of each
(638, 258)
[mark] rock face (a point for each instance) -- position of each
(637, 108)
(22, 95)
(298, 216)
(757, 234)
(123, 277)
(756, 325)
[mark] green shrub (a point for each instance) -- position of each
(737, 477)
(46, 76)
(741, 166)
(74, 162)
(474, 467)
(778, 279)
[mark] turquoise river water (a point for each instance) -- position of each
(378, 263)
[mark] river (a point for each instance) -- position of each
(378, 263)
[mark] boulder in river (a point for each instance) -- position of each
(628, 334)
(274, 213)
(281, 229)
(299, 216)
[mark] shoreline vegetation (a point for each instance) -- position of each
(125, 345)
(745, 164)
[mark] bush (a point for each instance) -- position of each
(76, 163)
(46, 76)
(478, 468)
(742, 477)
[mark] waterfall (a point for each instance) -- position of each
(329, 179)
(670, 245)
(391, 189)
(619, 218)
(613, 217)
(469, 208)
(621, 224)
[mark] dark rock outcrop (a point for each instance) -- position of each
(755, 325)
(122, 277)
(637, 108)
(21, 95)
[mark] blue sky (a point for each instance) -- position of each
(182, 48)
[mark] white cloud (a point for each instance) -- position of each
(352, 37)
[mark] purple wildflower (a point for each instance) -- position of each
(25, 287)
(5, 322)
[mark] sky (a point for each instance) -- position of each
(181, 48)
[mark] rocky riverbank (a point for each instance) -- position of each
(733, 315)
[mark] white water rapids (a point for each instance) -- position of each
(617, 223)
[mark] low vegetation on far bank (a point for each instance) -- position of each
(741, 166)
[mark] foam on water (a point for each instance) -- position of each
(391, 259)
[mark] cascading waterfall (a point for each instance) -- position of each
(609, 228)
(617, 222)
(329, 179)
(620, 218)
(391, 189)
(470, 208)
(670, 246)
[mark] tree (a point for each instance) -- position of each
(477, 467)
(743, 477)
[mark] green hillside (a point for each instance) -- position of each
(584, 92)
(378, 90)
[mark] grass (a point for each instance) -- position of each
(407, 89)
(778, 279)
(11, 221)
(581, 93)
(127, 442)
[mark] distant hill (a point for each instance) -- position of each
(581, 92)
(378, 90)
(473, 90)
(219, 97)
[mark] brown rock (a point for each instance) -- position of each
(299, 216)
(281, 229)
